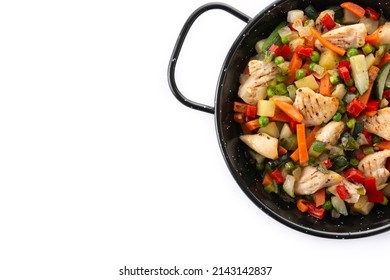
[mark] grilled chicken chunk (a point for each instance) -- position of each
(315, 108)
(379, 123)
(331, 132)
(260, 73)
(312, 180)
(349, 36)
(373, 165)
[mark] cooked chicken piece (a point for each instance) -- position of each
(349, 36)
(315, 108)
(312, 180)
(354, 190)
(319, 26)
(373, 165)
(260, 74)
(331, 132)
(262, 143)
(379, 124)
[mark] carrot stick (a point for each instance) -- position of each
(325, 85)
(326, 43)
(385, 59)
(253, 124)
(295, 64)
(290, 110)
(354, 8)
(282, 150)
(309, 141)
(267, 180)
(373, 38)
(319, 197)
(373, 72)
(302, 145)
(279, 116)
(384, 145)
(302, 205)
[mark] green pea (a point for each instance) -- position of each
(315, 56)
(263, 121)
(352, 52)
(300, 74)
(312, 65)
(285, 40)
(271, 91)
(278, 60)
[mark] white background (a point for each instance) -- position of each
(101, 167)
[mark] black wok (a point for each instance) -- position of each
(234, 151)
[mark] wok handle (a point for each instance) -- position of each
(179, 43)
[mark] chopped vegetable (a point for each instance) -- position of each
(289, 110)
(379, 85)
(302, 145)
(354, 8)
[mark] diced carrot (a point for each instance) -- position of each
(373, 38)
(319, 197)
(354, 9)
(295, 155)
(290, 110)
(325, 85)
(267, 180)
(279, 116)
(239, 117)
(295, 64)
(302, 205)
(239, 107)
(282, 150)
(373, 72)
(309, 141)
(312, 136)
(384, 145)
(253, 124)
(326, 43)
(385, 59)
(302, 145)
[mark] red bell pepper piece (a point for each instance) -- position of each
(368, 136)
(354, 175)
(386, 94)
(274, 49)
(305, 51)
(370, 184)
(317, 212)
(293, 125)
(359, 154)
(285, 51)
(344, 73)
(388, 164)
(328, 163)
(251, 111)
(328, 22)
(277, 176)
(372, 14)
(352, 89)
(355, 108)
(344, 63)
(342, 192)
(375, 197)
(372, 105)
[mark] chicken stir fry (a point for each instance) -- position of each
(313, 104)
